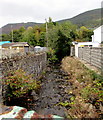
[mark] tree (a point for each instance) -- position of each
(60, 38)
(42, 41)
(29, 36)
(6, 37)
(84, 34)
(40, 33)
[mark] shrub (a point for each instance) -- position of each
(19, 83)
(51, 56)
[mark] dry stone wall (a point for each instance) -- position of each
(31, 63)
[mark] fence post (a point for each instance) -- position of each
(102, 61)
(90, 54)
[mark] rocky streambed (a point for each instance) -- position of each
(54, 90)
(51, 97)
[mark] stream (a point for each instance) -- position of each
(54, 90)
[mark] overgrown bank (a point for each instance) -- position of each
(74, 92)
(87, 86)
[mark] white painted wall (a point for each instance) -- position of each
(82, 44)
(0, 46)
(98, 35)
(76, 50)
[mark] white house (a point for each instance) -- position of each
(97, 38)
(98, 35)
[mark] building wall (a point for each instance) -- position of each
(76, 50)
(98, 33)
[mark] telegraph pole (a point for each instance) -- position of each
(12, 32)
(46, 32)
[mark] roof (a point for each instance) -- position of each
(3, 42)
(37, 47)
(99, 28)
(16, 44)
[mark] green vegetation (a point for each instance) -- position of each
(20, 84)
(58, 37)
(84, 34)
(65, 104)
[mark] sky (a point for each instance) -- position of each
(17, 11)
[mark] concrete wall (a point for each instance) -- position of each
(31, 64)
(93, 56)
(72, 51)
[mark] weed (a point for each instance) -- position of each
(19, 83)
(85, 83)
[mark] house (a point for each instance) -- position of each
(18, 46)
(98, 35)
(97, 39)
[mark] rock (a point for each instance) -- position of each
(101, 107)
(91, 108)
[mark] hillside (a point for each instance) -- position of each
(89, 19)
(7, 28)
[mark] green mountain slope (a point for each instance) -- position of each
(89, 19)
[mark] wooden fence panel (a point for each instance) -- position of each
(93, 56)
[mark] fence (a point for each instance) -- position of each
(93, 56)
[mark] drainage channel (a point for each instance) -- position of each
(54, 90)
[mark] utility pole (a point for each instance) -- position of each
(46, 32)
(12, 32)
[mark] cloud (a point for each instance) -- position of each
(37, 10)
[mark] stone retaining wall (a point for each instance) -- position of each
(31, 63)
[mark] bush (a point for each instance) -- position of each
(51, 56)
(19, 83)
